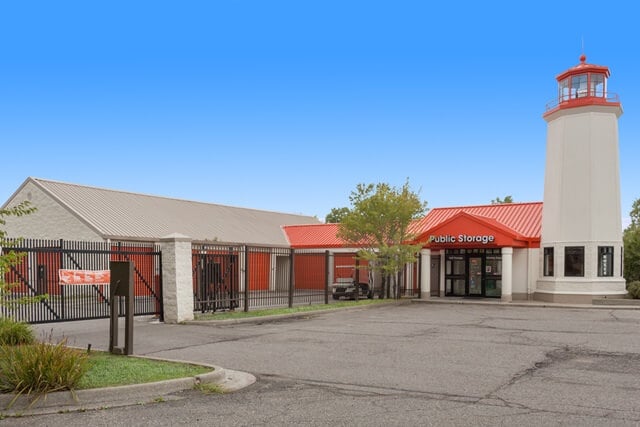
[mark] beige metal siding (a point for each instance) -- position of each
(51, 220)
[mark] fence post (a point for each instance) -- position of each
(177, 278)
(246, 278)
(356, 277)
(326, 277)
(292, 279)
(62, 303)
(160, 307)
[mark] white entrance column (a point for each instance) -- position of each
(425, 273)
(507, 274)
(443, 271)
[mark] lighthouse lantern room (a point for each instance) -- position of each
(584, 84)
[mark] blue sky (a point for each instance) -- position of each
(288, 105)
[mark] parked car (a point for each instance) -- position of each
(349, 290)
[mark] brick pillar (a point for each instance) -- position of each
(177, 280)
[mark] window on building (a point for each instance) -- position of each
(622, 261)
(605, 261)
(574, 261)
(548, 262)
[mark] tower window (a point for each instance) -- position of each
(605, 261)
(579, 86)
(574, 261)
(622, 261)
(548, 262)
(563, 90)
(596, 85)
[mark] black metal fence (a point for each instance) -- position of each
(410, 281)
(245, 277)
(227, 277)
(39, 273)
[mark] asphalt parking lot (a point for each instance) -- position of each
(410, 364)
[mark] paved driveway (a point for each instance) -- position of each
(411, 364)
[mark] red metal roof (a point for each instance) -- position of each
(524, 219)
(313, 236)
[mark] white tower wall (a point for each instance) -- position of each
(582, 180)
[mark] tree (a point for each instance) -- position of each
(631, 240)
(336, 215)
(635, 214)
(378, 223)
(499, 201)
(10, 258)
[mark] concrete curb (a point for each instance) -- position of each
(109, 397)
(277, 317)
(608, 304)
(531, 304)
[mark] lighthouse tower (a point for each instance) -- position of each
(581, 244)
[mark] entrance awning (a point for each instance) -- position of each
(464, 230)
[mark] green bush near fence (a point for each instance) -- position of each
(14, 333)
(633, 288)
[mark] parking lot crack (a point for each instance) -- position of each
(352, 389)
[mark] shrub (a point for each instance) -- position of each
(40, 368)
(14, 333)
(634, 289)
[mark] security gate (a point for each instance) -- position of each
(216, 279)
(39, 273)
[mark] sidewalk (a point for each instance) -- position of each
(600, 304)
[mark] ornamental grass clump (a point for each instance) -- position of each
(14, 333)
(40, 368)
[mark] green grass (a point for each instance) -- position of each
(209, 388)
(296, 309)
(108, 370)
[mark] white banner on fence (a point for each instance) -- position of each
(84, 277)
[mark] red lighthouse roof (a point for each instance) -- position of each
(581, 85)
(583, 67)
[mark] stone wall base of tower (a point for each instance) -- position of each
(577, 291)
(572, 298)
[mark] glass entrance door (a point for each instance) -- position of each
(493, 275)
(473, 272)
(475, 276)
(455, 276)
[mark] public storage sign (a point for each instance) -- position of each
(84, 277)
(463, 238)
